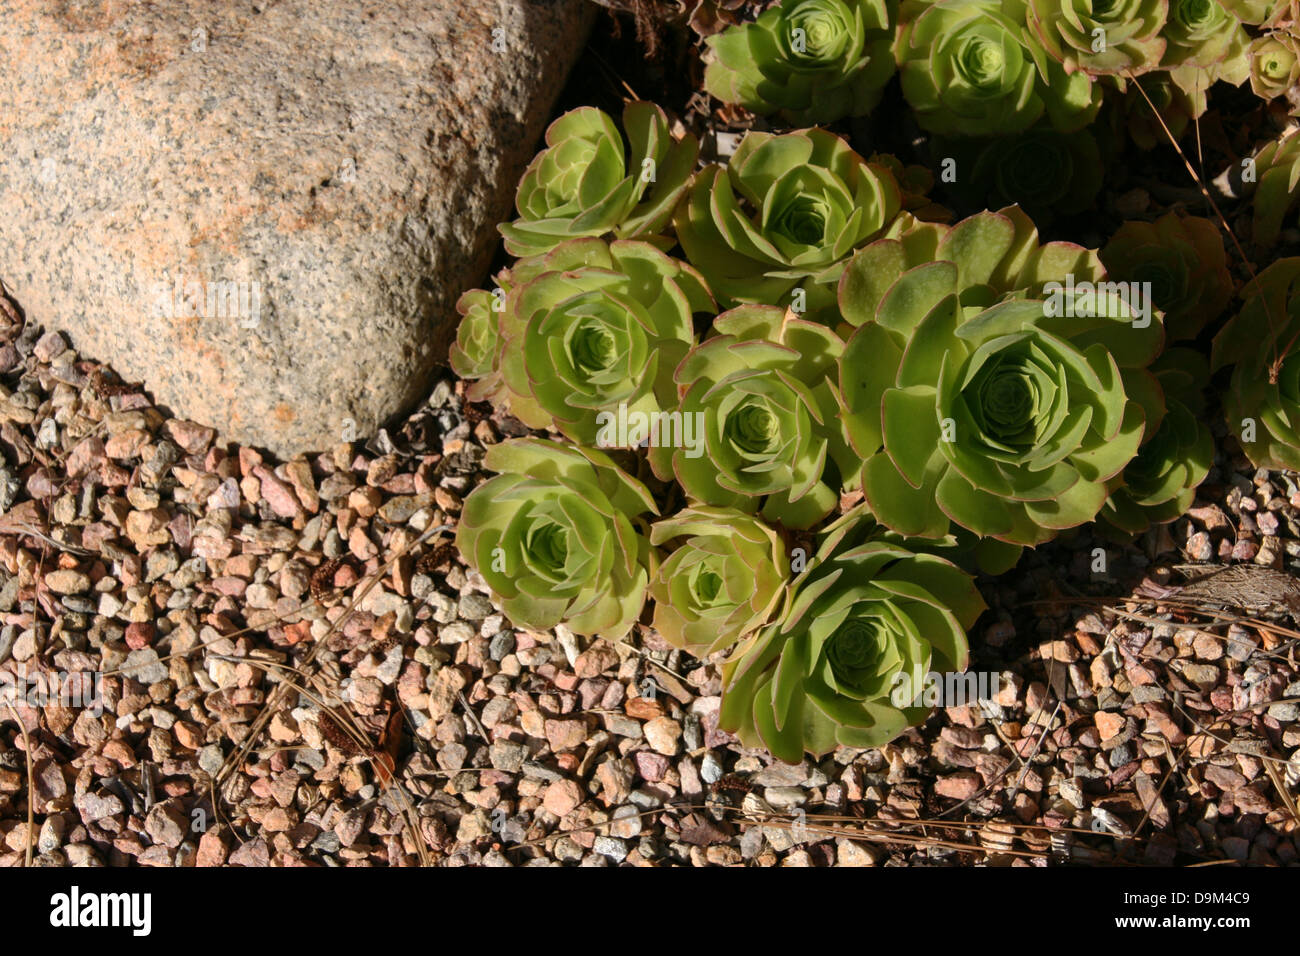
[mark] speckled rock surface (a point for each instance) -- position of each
(265, 211)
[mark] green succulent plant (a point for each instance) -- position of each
(810, 61)
(1262, 345)
(559, 538)
(593, 331)
(1276, 187)
(724, 578)
(1205, 43)
(1160, 482)
(786, 211)
(1048, 172)
(587, 182)
(967, 69)
(1007, 418)
(1101, 36)
(1274, 64)
(861, 629)
(476, 353)
(1174, 110)
(1183, 259)
(762, 394)
(1255, 12)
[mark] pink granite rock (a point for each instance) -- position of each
(265, 211)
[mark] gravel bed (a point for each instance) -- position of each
(252, 715)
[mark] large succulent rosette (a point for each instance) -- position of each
(761, 391)
(845, 665)
(592, 332)
(587, 182)
(1262, 345)
(559, 537)
(723, 578)
(786, 211)
(1008, 419)
(810, 61)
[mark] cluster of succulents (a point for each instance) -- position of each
(995, 67)
(791, 411)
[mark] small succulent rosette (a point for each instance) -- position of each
(476, 354)
(846, 664)
(1274, 64)
(783, 215)
(1110, 38)
(809, 61)
(1204, 44)
(968, 69)
(724, 576)
(559, 537)
(588, 182)
(592, 333)
(761, 394)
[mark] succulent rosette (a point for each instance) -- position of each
(558, 537)
(1205, 43)
(1174, 109)
(1009, 418)
(724, 577)
(786, 211)
(847, 661)
(811, 61)
(1160, 482)
(1101, 36)
(762, 395)
(1262, 345)
(1048, 172)
(1276, 189)
(593, 331)
(587, 182)
(1274, 64)
(967, 69)
(476, 353)
(1183, 260)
